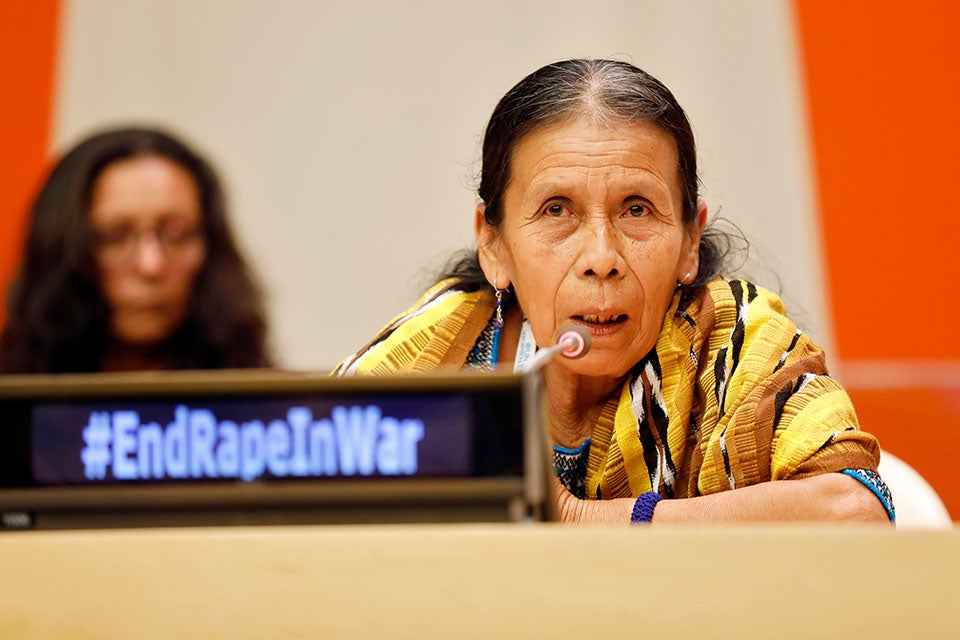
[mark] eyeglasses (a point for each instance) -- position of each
(118, 246)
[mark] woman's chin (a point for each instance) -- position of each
(600, 365)
(142, 337)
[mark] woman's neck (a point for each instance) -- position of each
(123, 357)
(574, 402)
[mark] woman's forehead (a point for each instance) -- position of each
(579, 149)
(142, 186)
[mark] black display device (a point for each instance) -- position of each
(268, 447)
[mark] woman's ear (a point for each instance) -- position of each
(488, 249)
(689, 263)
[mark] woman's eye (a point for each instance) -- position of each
(176, 231)
(637, 210)
(113, 236)
(554, 210)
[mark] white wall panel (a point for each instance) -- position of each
(348, 132)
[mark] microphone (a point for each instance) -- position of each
(573, 343)
(577, 341)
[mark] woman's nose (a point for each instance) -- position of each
(149, 254)
(600, 251)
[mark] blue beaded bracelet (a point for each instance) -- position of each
(644, 506)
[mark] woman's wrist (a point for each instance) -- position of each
(644, 507)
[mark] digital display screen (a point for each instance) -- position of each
(251, 439)
(263, 447)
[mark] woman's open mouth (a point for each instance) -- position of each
(595, 319)
(601, 324)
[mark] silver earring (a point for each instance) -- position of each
(497, 291)
(683, 280)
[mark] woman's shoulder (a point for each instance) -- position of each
(730, 315)
(412, 326)
(725, 303)
(732, 294)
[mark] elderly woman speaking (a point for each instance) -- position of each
(699, 400)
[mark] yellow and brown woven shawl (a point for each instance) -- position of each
(734, 394)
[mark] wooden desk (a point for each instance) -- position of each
(480, 581)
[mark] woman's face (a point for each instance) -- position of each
(592, 235)
(147, 222)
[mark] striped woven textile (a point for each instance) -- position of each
(732, 395)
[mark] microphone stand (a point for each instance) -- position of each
(573, 342)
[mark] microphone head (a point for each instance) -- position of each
(576, 341)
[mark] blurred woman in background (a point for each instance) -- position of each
(129, 264)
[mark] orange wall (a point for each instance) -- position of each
(27, 57)
(884, 105)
